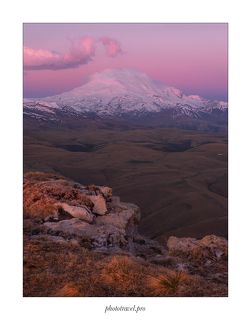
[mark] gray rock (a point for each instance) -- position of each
(185, 245)
(74, 226)
(48, 237)
(218, 246)
(100, 207)
(116, 229)
(209, 246)
(53, 216)
(121, 217)
(82, 213)
(96, 235)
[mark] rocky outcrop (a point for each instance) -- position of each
(97, 219)
(210, 246)
(99, 203)
(82, 213)
(89, 214)
(69, 217)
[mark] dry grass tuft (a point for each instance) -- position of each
(63, 269)
(168, 283)
(68, 290)
(41, 192)
(124, 275)
(42, 176)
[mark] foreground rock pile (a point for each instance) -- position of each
(210, 246)
(90, 214)
(59, 213)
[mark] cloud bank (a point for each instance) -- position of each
(80, 53)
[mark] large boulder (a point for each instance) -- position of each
(99, 203)
(91, 235)
(89, 214)
(182, 245)
(71, 227)
(210, 246)
(218, 246)
(121, 216)
(82, 213)
(115, 229)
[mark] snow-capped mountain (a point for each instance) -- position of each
(122, 92)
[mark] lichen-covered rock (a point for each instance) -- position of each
(117, 228)
(121, 216)
(218, 245)
(74, 227)
(89, 214)
(42, 192)
(181, 244)
(91, 235)
(99, 203)
(210, 246)
(82, 213)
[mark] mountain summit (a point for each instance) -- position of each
(124, 92)
(117, 82)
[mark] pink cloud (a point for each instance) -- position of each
(112, 46)
(80, 53)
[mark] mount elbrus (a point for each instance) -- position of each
(130, 95)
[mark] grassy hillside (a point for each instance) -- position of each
(177, 177)
(61, 269)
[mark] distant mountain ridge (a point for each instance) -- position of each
(122, 93)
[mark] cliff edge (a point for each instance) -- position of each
(84, 241)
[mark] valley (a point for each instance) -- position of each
(177, 177)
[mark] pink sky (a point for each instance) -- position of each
(191, 57)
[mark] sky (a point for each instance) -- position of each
(191, 57)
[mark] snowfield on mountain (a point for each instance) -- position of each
(117, 92)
